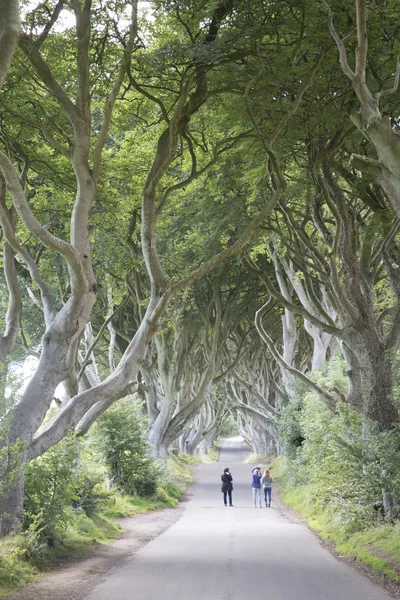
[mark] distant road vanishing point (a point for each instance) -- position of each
(238, 553)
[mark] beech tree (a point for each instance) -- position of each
(376, 126)
(342, 300)
(142, 151)
(76, 126)
(10, 30)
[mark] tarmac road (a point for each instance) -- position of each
(240, 553)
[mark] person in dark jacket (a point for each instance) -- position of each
(227, 486)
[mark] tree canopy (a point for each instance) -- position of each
(199, 205)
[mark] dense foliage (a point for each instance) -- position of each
(62, 482)
(73, 492)
(121, 440)
(199, 205)
(338, 463)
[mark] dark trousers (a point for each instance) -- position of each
(229, 495)
(267, 492)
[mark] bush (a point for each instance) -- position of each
(13, 572)
(336, 461)
(290, 430)
(120, 438)
(67, 503)
(57, 484)
(50, 489)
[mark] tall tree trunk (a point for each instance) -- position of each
(370, 379)
(10, 31)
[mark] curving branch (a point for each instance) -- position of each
(8, 230)
(55, 123)
(395, 86)
(365, 165)
(254, 392)
(14, 309)
(78, 279)
(246, 408)
(117, 385)
(192, 95)
(328, 398)
(49, 25)
(13, 315)
(221, 147)
(212, 428)
(340, 43)
(300, 310)
(48, 136)
(43, 70)
(99, 335)
(362, 47)
(147, 95)
(123, 68)
(232, 250)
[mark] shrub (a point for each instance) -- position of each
(50, 489)
(58, 484)
(120, 438)
(339, 461)
(290, 430)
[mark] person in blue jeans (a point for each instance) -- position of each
(267, 485)
(256, 485)
(227, 486)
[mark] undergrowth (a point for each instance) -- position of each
(378, 547)
(25, 554)
(22, 556)
(75, 491)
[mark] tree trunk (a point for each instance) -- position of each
(24, 419)
(321, 343)
(195, 440)
(370, 380)
(10, 31)
(12, 501)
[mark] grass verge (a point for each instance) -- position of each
(265, 462)
(378, 547)
(23, 556)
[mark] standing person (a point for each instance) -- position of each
(267, 485)
(256, 485)
(227, 486)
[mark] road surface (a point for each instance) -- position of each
(240, 553)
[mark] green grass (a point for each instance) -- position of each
(212, 456)
(180, 470)
(377, 547)
(278, 465)
(128, 506)
(23, 556)
(13, 571)
(265, 462)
